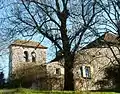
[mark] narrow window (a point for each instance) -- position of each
(88, 72)
(33, 54)
(58, 71)
(85, 71)
(81, 71)
(26, 56)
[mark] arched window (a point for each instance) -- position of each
(33, 54)
(26, 56)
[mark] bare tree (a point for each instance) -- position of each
(111, 15)
(66, 23)
(111, 23)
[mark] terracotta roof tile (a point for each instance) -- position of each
(111, 38)
(28, 43)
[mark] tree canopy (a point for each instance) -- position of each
(67, 24)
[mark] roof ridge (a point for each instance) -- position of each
(28, 43)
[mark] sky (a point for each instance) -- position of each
(4, 55)
(50, 51)
(4, 60)
(4, 50)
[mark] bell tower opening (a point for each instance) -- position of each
(26, 56)
(33, 54)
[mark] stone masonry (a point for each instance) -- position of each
(89, 66)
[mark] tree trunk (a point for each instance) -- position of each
(68, 73)
(68, 56)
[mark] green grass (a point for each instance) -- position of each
(30, 91)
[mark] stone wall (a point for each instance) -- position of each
(17, 57)
(51, 69)
(55, 75)
(98, 59)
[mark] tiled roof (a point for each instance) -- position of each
(28, 43)
(102, 41)
(109, 37)
(97, 43)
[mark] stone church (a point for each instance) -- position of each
(27, 61)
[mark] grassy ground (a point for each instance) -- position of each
(29, 91)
